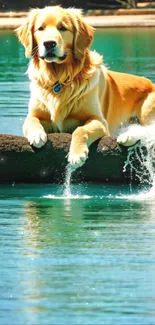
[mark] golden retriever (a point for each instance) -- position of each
(71, 90)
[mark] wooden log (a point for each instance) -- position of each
(22, 163)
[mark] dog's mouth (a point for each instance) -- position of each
(50, 57)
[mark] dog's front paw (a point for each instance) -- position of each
(127, 139)
(77, 160)
(37, 138)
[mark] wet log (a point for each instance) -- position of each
(22, 163)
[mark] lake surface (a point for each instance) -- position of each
(88, 258)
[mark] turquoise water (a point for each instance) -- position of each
(88, 258)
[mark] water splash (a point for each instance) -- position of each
(67, 183)
(62, 197)
(67, 194)
(143, 153)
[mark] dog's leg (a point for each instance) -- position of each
(146, 116)
(133, 134)
(82, 138)
(34, 132)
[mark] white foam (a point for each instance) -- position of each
(141, 196)
(55, 197)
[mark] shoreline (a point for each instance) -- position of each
(96, 18)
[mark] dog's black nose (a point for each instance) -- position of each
(50, 45)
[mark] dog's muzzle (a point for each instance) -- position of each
(49, 51)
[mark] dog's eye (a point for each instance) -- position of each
(62, 28)
(41, 28)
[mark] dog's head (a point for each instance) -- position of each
(55, 34)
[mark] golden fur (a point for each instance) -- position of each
(93, 101)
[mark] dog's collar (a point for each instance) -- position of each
(57, 88)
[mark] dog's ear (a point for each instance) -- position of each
(25, 32)
(83, 33)
(83, 38)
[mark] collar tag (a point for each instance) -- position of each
(57, 88)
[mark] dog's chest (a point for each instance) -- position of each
(68, 125)
(61, 109)
(61, 117)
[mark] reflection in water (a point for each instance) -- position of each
(77, 261)
(87, 260)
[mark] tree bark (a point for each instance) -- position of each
(20, 162)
